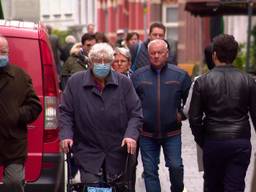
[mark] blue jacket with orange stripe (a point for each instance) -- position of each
(162, 93)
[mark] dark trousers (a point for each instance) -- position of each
(13, 178)
(225, 164)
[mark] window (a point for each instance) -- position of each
(55, 8)
(66, 7)
(170, 20)
(45, 9)
(172, 33)
(171, 14)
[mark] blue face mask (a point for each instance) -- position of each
(101, 70)
(4, 59)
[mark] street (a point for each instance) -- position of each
(192, 178)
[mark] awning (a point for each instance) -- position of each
(219, 7)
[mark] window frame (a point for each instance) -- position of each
(170, 25)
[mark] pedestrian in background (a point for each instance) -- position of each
(70, 40)
(162, 88)
(100, 117)
(219, 120)
(120, 38)
(78, 59)
(132, 38)
(122, 64)
(56, 48)
(122, 61)
(90, 28)
(19, 106)
(139, 52)
(101, 37)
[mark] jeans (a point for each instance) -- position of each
(13, 178)
(150, 154)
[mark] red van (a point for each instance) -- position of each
(29, 48)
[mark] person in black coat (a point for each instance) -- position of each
(65, 53)
(19, 106)
(219, 120)
(56, 48)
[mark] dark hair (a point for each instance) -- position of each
(49, 29)
(87, 36)
(101, 37)
(208, 57)
(226, 48)
(156, 25)
(131, 34)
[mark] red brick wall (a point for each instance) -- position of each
(122, 14)
(193, 37)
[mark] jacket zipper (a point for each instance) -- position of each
(158, 106)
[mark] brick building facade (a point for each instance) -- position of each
(187, 34)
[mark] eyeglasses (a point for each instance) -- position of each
(121, 61)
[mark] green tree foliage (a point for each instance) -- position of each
(61, 34)
(241, 57)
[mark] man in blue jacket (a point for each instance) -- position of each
(162, 88)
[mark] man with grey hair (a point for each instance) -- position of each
(100, 117)
(162, 88)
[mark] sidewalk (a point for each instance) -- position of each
(192, 178)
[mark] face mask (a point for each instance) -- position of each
(4, 59)
(101, 70)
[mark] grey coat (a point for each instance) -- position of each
(97, 122)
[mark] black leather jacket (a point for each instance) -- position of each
(220, 104)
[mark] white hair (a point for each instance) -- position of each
(70, 39)
(101, 50)
(123, 51)
(157, 41)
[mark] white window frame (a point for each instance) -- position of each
(45, 12)
(164, 16)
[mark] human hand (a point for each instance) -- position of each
(131, 145)
(66, 144)
(178, 116)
